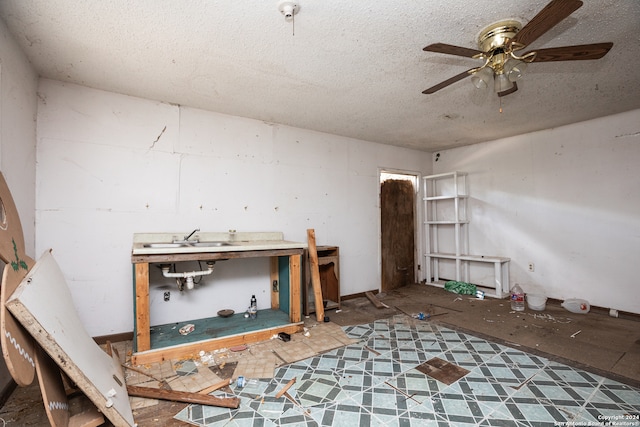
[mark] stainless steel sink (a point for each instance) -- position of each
(187, 245)
(166, 245)
(210, 244)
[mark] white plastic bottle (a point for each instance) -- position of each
(517, 298)
(576, 305)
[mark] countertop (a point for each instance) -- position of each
(233, 242)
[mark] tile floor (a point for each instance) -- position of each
(374, 382)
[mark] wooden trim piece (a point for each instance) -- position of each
(375, 301)
(181, 351)
(183, 396)
(315, 275)
(212, 256)
(216, 386)
(357, 295)
(294, 288)
(275, 277)
(284, 389)
(123, 336)
(143, 322)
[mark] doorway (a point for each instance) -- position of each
(397, 229)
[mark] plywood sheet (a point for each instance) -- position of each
(43, 305)
(17, 344)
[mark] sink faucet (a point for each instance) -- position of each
(187, 237)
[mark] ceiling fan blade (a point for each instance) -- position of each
(447, 82)
(552, 14)
(508, 91)
(452, 50)
(573, 53)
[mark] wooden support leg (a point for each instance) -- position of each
(143, 326)
(294, 291)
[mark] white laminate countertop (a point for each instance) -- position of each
(235, 242)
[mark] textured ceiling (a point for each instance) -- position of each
(348, 68)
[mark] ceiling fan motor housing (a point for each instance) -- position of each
(496, 36)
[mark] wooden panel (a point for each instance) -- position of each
(17, 345)
(205, 256)
(43, 305)
(142, 339)
(54, 396)
(294, 288)
(329, 271)
(397, 223)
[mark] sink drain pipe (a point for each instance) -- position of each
(188, 275)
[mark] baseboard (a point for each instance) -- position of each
(358, 295)
(123, 336)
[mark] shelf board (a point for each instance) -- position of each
(459, 196)
(447, 222)
(477, 258)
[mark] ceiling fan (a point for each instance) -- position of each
(499, 42)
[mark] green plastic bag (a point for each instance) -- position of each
(462, 288)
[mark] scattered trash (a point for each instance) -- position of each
(457, 299)
(462, 288)
(517, 298)
(284, 389)
(284, 336)
(206, 359)
(243, 382)
(536, 302)
(338, 311)
(480, 294)
(187, 329)
(574, 335)
(575, 305)
(550, 318)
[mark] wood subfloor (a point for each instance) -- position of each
(594, 342)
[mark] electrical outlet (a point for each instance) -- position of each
(532, 267)
(167, 296)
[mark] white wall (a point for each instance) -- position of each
(18, 85)
(18, 105)
(565, 199)
(111, 165)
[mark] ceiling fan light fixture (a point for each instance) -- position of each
(501, 83)
(482, 77)
(515, 69)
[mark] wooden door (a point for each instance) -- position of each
(397, 205)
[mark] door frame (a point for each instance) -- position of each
(418, 271)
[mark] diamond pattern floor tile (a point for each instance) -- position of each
(372, 380)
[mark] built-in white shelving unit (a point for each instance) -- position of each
(445, 214)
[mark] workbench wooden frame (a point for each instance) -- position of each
(143, 353)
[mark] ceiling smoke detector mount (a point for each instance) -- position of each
(288, 9)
